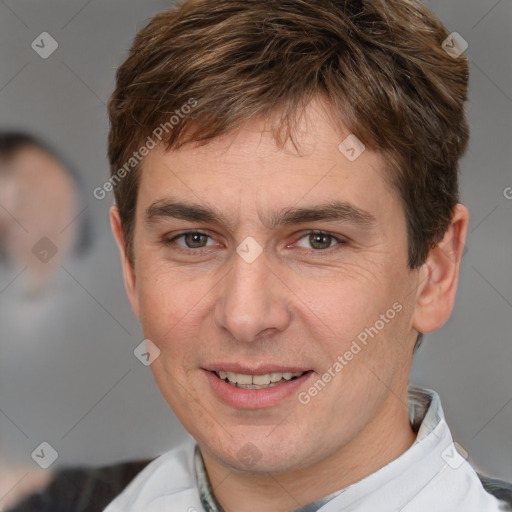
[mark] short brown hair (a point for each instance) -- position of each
(379, 63)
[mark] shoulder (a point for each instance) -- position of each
(498, 488)
(85, 489)
(168, 479)
(82, 489)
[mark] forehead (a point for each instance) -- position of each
(248, 170)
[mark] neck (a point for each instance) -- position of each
(383, 440)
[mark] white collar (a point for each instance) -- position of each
(430, 475)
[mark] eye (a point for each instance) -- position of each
(190, 240)
(319, 240)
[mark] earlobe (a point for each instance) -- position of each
(439, 275)
(128, 268)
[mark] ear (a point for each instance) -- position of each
(128, 268)
(439, 275)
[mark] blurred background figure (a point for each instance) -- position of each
(42, 222)
(17, 483)
(39, 203)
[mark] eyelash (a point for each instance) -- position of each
(340, 240)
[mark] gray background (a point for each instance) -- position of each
(67, 371)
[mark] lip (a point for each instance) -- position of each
(241, 398)
(254, 370)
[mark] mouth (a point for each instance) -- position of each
(262, 381)
(261, 387)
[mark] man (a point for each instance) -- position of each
(287, 212)
(39, 197)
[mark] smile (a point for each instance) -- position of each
(263, 381)
(257, 388)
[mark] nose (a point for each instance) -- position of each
(252, 301)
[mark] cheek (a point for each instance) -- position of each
(342, 303)
(163, 300)
(363, 321)
(174, 311)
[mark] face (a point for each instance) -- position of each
(284, 271)
(39, 195)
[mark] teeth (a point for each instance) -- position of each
(243, 379)
(254, 381)
(275, 376)
(260, 379)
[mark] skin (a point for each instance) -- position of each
(39, 199)
(18, 482)
(296, 305)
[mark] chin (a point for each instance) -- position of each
(261, 456)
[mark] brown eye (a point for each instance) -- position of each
(190, 240)
(319, 241)
(195, 240)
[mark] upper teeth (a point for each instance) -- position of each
(266, 378)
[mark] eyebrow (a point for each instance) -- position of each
(340, 211)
